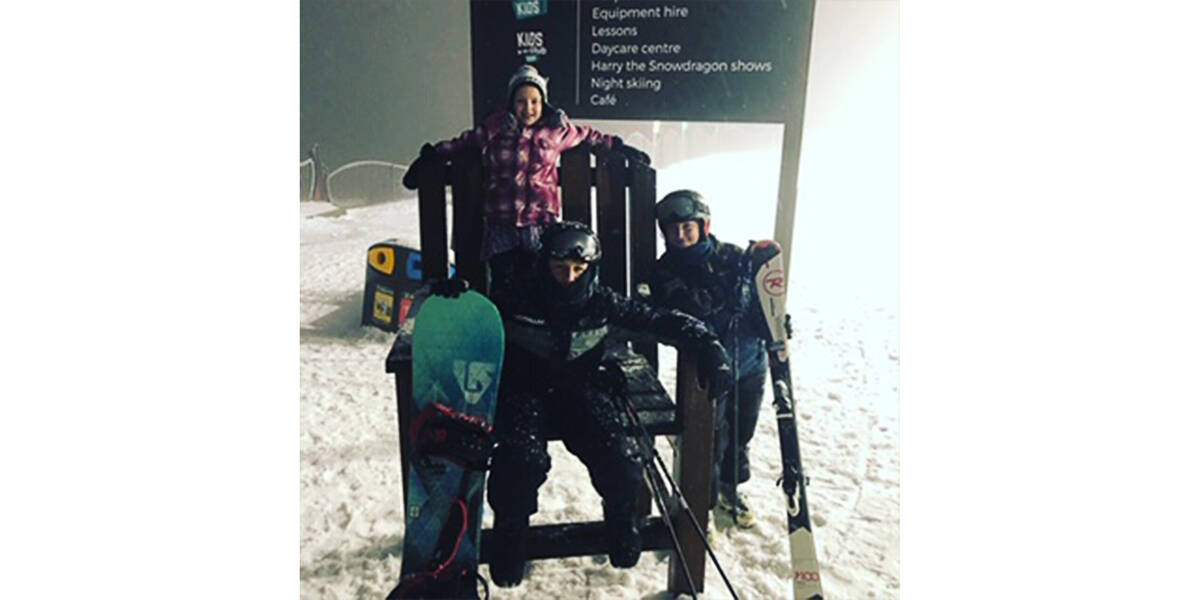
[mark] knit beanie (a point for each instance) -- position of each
(528, 75)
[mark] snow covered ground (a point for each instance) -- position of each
(846, 370)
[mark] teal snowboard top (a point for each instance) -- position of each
(458, 351)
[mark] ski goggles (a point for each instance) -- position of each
(573, 244)
(680, 207)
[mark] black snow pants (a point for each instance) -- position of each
(726, 474)
(591, 428)
(504, 269)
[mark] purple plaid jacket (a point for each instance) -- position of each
(522, 164)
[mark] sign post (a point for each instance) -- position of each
(793, 129)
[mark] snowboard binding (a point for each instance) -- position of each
(440, 432)
(449, 578)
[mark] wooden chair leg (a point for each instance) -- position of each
(693, 472)
(403, 402)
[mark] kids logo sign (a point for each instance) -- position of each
(530, 8)
(530, 45)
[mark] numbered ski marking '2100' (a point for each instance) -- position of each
(806, 577)
(474, 378)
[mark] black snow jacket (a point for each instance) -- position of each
(709, 290)
(549, 344)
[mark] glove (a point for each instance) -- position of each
(713, 371)
(704, 303)
(633, 154)
(449, 288)
(760, 252)
(418, 168)
(612, 380)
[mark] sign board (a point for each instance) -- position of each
(671, 60)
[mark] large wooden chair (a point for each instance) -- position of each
(623, 193)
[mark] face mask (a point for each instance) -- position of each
(570, 297)
(696, 253)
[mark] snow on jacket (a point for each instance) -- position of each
(709, 291)
(545, 346)
(522, 164)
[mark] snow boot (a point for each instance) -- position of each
(623, 538)
(734, 505)
(510, 538)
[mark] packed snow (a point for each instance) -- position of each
(846, 371)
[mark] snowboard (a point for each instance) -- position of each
(458, 349)
(770, 281)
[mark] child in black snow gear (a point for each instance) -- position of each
(555, 376)
(709, 279)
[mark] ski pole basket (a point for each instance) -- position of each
(623, 193)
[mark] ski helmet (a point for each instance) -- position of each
(683, 205)
(570, 239)
(573, 241)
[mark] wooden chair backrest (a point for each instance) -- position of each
(624, 194)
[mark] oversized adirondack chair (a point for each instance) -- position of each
(623, 192)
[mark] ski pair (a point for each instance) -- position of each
(770, 281)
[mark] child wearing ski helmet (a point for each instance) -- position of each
(521, 144)
(555, 376)
(708, 279)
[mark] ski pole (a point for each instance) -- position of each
(659, 490)
(735, 435)
(644, 436)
